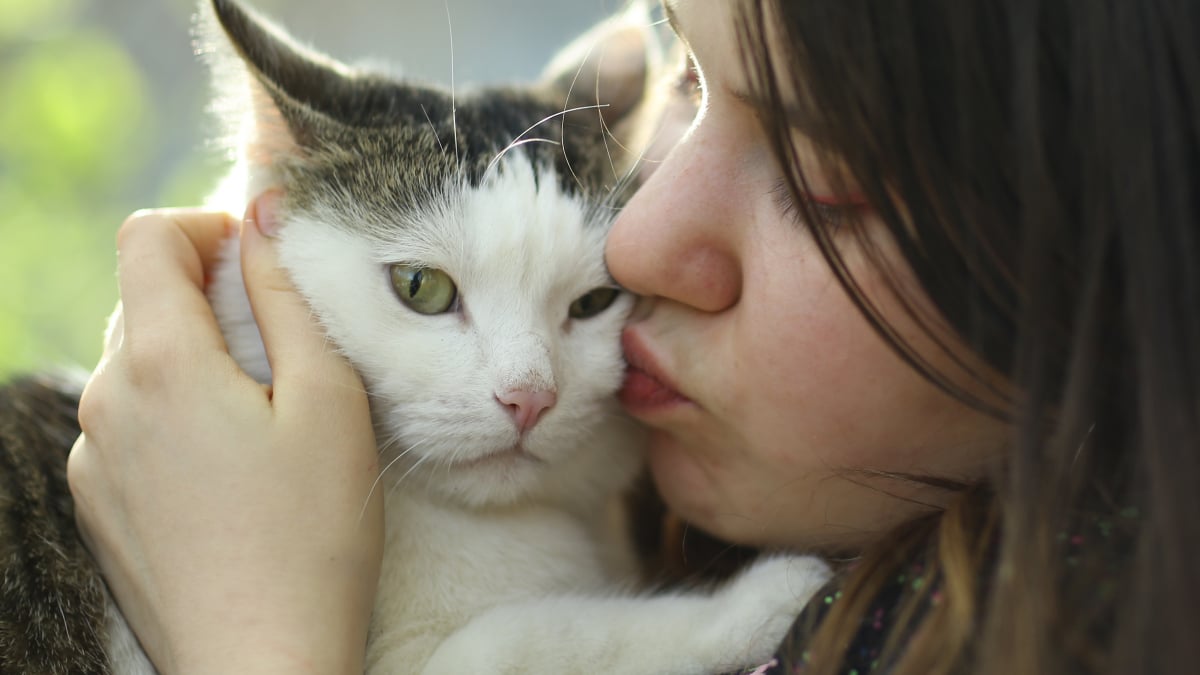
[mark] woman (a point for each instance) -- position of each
(924, 287)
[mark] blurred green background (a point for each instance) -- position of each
(102, 113)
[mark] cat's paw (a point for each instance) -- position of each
(760, 605)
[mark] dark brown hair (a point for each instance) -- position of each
(1037, 164)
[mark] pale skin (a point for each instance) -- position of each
(231, 521)
(790, 389)
(237, 493)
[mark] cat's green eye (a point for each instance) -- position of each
(423, 289)
(593, 302)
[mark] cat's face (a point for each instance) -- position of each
(486, 328)
(452, 246)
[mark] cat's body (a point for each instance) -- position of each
(493, 402)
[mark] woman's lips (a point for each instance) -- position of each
(645, 388)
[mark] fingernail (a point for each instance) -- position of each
(266, 213)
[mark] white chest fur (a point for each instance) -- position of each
(444, 566)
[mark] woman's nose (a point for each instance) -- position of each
(676, 238)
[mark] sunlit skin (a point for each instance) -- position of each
(767, 393)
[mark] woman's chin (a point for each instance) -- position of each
(727, 506)
(683, 481)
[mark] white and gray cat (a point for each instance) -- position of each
(452, 248)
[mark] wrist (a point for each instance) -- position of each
(311, 652)
(324, 635)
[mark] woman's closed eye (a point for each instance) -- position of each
(831, 212)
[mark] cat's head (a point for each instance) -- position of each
(452, 246)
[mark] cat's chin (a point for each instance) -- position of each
(512, 475)
(499, 479)
(498, 460)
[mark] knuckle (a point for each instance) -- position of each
(150, 363)
(79, 469)
(137, 225)
(95, 401)
(92, 408)
(147, 361)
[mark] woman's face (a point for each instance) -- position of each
(767, 392)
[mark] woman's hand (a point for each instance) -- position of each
(232, 521)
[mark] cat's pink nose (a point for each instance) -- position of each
(527, 406)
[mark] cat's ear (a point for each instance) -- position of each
(608, 66)
(277, 96)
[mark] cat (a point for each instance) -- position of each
(452, 248)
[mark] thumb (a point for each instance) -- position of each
(300, 355)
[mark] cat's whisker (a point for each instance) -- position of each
(517, 140)
(431, 475)
(605, 132)
(386, 445)
(400, 480)
(384, 470)
(567, 159)
(562, 130)
(453, 107)
(605, 135)
(582, 62)
(636, 164)
(512, 145)
(631, 173)
(624, 188)
(433, 128)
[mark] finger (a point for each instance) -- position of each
(160, 268)
(207, 230)
(297, 348)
